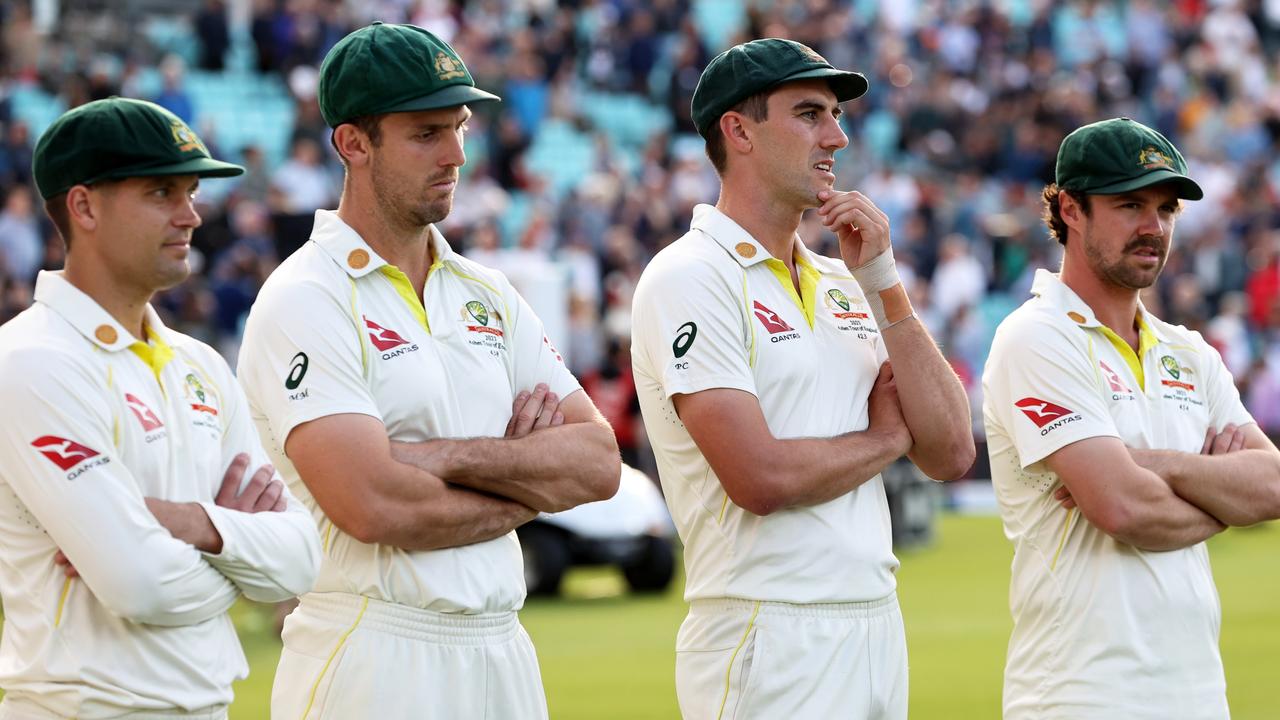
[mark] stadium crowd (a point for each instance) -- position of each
(968, 103)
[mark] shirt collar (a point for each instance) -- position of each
(744, 248)
(87, 316)
(1049, 287)
(342, 243)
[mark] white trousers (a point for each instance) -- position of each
(348, 657)
(748, 660)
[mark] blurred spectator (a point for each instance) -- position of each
(21, 247)
(303, 183)
(173, 97)
(215, 36)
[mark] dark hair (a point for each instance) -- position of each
(755, 107)
(370, 125)
(56, 208)
(1052, 214)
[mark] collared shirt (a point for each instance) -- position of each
(94, 422)
(338, 330)
(716, 310)
(1101, 629)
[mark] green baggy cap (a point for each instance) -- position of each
(385, 68)
(119, 138)
(753, 67)
(1119, 155)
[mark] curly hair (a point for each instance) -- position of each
(1052, 214)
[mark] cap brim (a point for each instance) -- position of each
(451, 96)
(1186, 187)
(846, 85)
(200, 167)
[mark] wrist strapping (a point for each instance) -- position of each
(877, 274)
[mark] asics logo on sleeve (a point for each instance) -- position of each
(1041, 412)
(383, 338)
(62, 452)
(143, 413)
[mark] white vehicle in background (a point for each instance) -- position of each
(631, 530)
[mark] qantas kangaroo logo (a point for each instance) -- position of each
(143, 413)
(62, 452)
(1041, 412)
(1113, 379)
(382, 338)
(770, 319)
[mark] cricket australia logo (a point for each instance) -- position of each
(184, 138)
(1152, 159)
(1171, 367)
(481, 324)
(448, 68)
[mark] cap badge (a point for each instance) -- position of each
(1152, 159)
(184, 138)
(746, 250)
(447, 68)
(811, 54)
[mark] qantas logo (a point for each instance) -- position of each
(771, 320)
(383, 338)
(62, 452)
(1041, 412)
(143, 413)
(1113, 379)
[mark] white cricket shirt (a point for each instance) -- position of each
(93, 422)
(1101, 628)
(338, 330)
(715, 310)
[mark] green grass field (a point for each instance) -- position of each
(608, 656)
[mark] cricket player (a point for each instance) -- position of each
(762, 374)
(1118, 446)
(137, 507)
(412, 400)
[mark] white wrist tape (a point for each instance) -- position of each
(879, 273)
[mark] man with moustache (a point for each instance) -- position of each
(131, 521)
(1118, 446)
(762, 375)
(412, 400)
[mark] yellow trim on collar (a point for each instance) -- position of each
(1146, 340)
(400, 283)
(806, 299)
(156, 353)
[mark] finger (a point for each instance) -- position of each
(1208, 442)
(1222, 443)
(231, 480)
(248, 498)
(1237, 440)
(1068, 502)
(529, 413)
(557, 419)
(1061, 493)
(59, 558)
(281, 505)
(549, 406)
(269, 497)
(518, 403)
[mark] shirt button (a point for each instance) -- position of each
(106, 334)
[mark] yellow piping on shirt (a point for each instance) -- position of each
(806, 299)
(355, 317)
(746, 302)
(341, 641)
(723, 506)
(328, 530)
(1063, 540)
(404, 288)
(62, 602)
(728, 673)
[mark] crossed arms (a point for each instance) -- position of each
(1164, 499)
(557, 453)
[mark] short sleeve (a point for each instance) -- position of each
(1044, 391)
(689, 328)
(535, 358)
(302, 357)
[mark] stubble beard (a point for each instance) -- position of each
(1119, 273)
(403, 207)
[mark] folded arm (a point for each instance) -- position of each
(763, 474)
(1237, 485)
(347, 464)
(1126, 501)
(553, 469)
